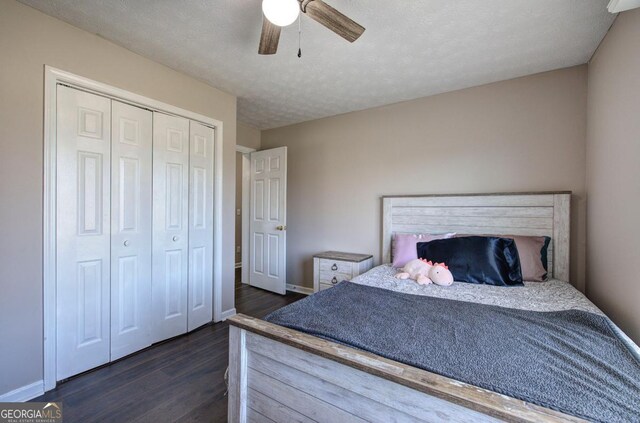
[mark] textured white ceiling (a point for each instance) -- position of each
(411, 48)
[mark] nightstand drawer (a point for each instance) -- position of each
(333, 278)
(336, 266)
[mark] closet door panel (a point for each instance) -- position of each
(83, 231)
(200, 300)
(131, 153)
(170, 225)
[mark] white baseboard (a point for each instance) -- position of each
(24, 393)
(228, 313)
(301, 289)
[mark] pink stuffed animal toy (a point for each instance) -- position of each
(425, 272)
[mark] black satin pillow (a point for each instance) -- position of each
(476, 259)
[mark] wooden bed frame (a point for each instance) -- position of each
(282, 375)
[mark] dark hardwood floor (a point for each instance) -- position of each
(177, 380)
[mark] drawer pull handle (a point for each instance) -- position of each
(334, 280)
(334, 267)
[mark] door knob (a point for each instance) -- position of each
(175, 238)
(281, 228)
(126, 243)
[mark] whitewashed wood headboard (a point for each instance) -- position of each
(541, 214)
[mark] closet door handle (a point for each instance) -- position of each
(175, 238)
(126, 243)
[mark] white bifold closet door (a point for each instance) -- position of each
(83, 231)
(200, 295)
(182, 225)
(134, 228)
(170, 225)
(131, 148)
(104, 230)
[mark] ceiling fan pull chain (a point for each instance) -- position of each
(299, 38)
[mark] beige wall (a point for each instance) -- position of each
(28, 41)
(526, 134)
(613, 180)
(248, 136)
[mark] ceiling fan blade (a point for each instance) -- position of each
(269, 37)
(326, 15)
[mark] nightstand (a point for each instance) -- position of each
(332, 267)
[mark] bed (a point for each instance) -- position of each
(277, 373)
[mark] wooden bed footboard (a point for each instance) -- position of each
(282, 375)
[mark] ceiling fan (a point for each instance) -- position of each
(279, 13)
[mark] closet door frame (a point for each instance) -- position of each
(53, 77)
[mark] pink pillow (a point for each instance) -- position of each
(404, 246)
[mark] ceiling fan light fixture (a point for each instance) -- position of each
(281, 12)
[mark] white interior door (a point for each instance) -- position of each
(131, 148)
(200, 299)
(82, 231)
(170, 225)
(268, 220)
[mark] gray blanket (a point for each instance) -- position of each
(571, 361)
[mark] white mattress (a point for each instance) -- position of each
(553, 295)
